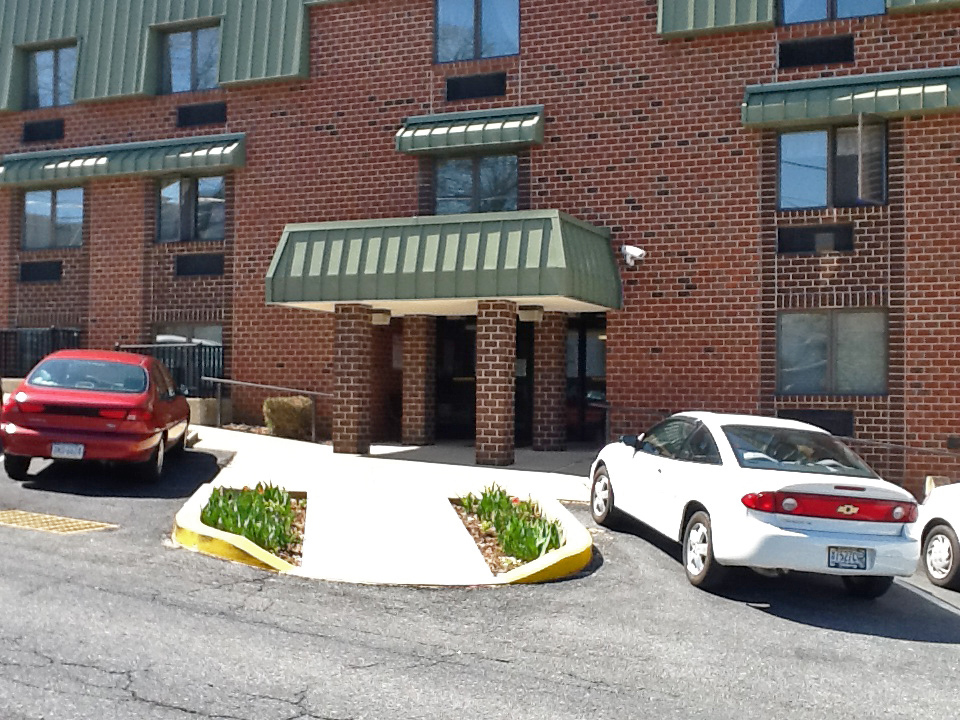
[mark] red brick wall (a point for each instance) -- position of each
(496, 377)
(643, 136)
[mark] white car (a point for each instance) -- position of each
(765, 493)
(940, 519)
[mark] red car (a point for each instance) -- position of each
(94, 405)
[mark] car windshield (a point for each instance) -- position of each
(778, 448)
(81, 374)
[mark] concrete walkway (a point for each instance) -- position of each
(374, 518)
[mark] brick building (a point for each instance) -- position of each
(420, 205)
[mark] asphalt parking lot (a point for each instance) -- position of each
(117, 624)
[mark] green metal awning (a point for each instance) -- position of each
(205, 155)
(497, 129)
(444, 264)
(886, 94)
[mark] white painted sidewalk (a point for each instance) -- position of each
(384, 514)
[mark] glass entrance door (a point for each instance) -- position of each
(587, 377)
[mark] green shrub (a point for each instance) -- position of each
(522, 532)
(263, 515)
(288, 416)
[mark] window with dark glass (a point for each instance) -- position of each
(192, 209)
(485, 183)
(835, 167)
(668, 438)
(832, 352)
(50, 77)
(52, 218)
(799, 11)
(190, 60)
(472, 29)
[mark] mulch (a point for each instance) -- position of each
(486, 539)
(293, 553)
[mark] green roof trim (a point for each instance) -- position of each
(693, 17)
(898, 6)
(119, 41)
(496, 129)
(444, 264)
(894, 94)
(198, 155)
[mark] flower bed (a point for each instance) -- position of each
(266, 515)
(508, 531)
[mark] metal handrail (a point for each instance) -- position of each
(219, 382)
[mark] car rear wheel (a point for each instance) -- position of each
(701, 567)
(182, 441)
(601, 499)
(869, 587)
(152, 469)
(941, 557)
(16, 466)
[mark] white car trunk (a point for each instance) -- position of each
(847, 491)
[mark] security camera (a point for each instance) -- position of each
(631, 254)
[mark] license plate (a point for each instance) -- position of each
(66, 451)
(847, 558)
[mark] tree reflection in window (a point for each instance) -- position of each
(486, 183)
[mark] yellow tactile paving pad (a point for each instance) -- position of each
(49, 523)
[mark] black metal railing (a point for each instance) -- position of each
(312, 394)
(22, 348)
(189, 363)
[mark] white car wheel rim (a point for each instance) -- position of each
(601, 496)
(698, 546)
(939, 556)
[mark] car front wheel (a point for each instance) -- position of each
(601, 499)
(941, 557)
(869, 587)
(701, 567)
(16, 466)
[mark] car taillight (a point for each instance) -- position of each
(837, 507)
(764, 502)
(136, 415)
(30, 407)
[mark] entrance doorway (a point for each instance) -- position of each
(587, 377)
(456, 381)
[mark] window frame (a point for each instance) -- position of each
(57, 80)
(52, 219)
(832, 132)
(477, 53)
(166, 69)
(476, 198)
(189, 205)
(830, 16)
(830, 379)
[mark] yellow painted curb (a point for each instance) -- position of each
(191, 533)
(571, 557)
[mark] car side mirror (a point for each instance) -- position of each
(631, 441)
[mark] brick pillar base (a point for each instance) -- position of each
(550, 382)
(496, 370)
(419, 380)
(353, 340)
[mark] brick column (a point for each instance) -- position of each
(353, 391)
(419, 380)
(496, 370)
(550, 382)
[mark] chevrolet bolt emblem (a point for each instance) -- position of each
(848, 509)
